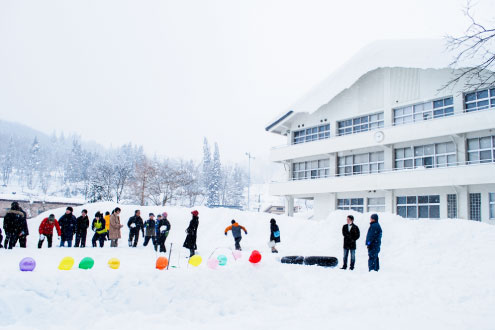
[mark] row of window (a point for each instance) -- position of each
(474, 101)
(311, 170)
(311, 134)
(421, 207)
(372, 162)
(480, 150)
(424, 111)
(361, 124)
(479, 100)
(432, 155)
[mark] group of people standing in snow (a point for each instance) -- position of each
(373, 242)
(108, 227)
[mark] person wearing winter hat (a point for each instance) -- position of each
(67, 224)
(162, 230)
(192, 232)
(150, 230)
(98, 226)
(82, 225)
(46, 230)
(237, 233)
(373, 243)
(135, 225)
(274, 235)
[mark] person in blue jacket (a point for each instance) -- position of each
(67, 224)
(373, 243)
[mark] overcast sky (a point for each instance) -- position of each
(165, 74)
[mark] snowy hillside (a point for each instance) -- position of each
(434, 275)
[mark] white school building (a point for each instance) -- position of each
(378, 137)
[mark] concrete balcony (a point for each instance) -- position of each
(404, 179)
(444, 126)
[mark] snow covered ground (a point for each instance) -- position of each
(434, 275)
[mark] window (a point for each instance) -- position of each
(311, 170)
(479, 100)
(419, 207)
(491, 203)
(424, 111)
(432, 155)
(311, 134)
(356, 204)
(475, 206)
(361, 164)
(376, 204)
(361, 124)
(452, 206)
(481, 150)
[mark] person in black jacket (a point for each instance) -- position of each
(192, 232)
(373, 243)
(274, 235)
(162, 230)
(67, 224)
(15, 226)
(82, 225)
(135, 225)
(150, 230)
(1, 239)
(351, 234)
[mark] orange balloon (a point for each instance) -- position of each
(161, 263)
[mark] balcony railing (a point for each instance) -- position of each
(395, 170)
(333, 137)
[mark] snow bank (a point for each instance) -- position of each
(434, 274)
(412, 53)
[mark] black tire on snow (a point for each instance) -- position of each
(295, 260)
(321, 261)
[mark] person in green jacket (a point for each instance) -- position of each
(98, 226)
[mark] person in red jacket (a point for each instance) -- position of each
(46, 230)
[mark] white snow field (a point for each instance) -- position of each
(434, 275)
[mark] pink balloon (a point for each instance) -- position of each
(213, 263)
(237, 254)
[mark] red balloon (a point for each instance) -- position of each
(161, 263)
(255, 257)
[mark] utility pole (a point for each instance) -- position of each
(249, 176)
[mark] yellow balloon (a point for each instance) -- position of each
(195, 260)
(114, 263)
(66, 263)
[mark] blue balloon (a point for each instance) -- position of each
(222, 260)
(27, 264)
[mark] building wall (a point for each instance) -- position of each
(324, 204)
(383, 90)
(32, 208)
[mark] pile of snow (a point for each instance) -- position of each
(434, 274)
(412, 53)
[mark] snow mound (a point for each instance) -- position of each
(413, 53)
(434, 275)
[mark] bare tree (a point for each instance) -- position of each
(144, 173)
(191, 186)
(477, 43)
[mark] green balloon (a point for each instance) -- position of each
(86, 263)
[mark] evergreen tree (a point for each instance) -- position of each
(33, 163)
(206, 166)
(8, 162)
(216, 179)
